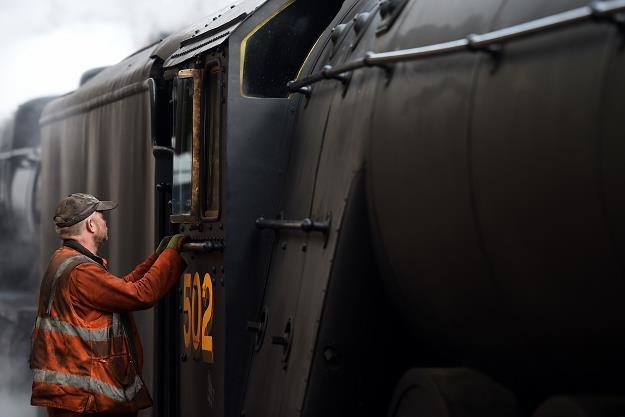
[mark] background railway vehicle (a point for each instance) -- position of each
(19, 244)
(20, 190)
(426, 221)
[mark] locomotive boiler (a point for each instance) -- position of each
(394, 208)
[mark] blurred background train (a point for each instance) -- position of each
(397, 207)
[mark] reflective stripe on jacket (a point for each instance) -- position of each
(86, 356)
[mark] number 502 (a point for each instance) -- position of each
(197, 310)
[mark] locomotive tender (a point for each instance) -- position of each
(395, 208)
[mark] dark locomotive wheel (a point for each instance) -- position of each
(450, 392)
(581, 407)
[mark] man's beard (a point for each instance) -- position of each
(100, 237)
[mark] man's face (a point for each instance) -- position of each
(101, 232)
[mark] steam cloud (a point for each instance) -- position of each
(48, 44)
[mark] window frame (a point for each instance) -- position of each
(193, 216)
(211, 133)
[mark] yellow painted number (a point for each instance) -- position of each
(186, 309)
(207, 319)
(198, 308)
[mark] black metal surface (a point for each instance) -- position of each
(596, 11)
(542, 180)
(490, 198)
(285, 276)
(246, 280)
(353, 352)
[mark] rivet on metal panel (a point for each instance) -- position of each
(306, 90)
(360, 21)
(163, 186)
(389, 11)
(329, 354)
(337, 32)
(344, 78)
(386, 8)
(331, 357)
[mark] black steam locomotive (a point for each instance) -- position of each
(395, 207)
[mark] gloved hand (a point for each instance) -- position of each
(161, 246)
(176, 242)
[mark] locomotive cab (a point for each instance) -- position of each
(221, 164)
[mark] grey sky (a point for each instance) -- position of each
(47, 44)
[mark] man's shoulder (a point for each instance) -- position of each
(60, 256)
(90, 266)
(65, 251)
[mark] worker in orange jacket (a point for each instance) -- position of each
(86, 354)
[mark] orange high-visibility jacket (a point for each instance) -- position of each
(86, 353)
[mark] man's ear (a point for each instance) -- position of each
(89, 225)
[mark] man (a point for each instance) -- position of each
(86, 354)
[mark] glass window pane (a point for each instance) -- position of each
(182, 142)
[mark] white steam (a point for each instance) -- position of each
(47, 44)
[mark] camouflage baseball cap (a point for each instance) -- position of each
(77, 207)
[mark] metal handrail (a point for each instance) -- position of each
(595, 11)
(203, 247)
(306, 225)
